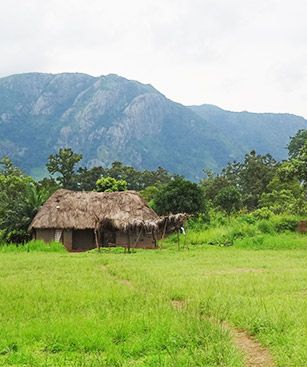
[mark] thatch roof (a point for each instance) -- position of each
(89, 210)
(171, 222)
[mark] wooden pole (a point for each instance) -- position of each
(186, 243)
(129, 241)
(164, 231)
(154, 237)
(96, 240)
(138, 237)
(99, 238)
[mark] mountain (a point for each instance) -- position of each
(263, 132)
(110, 118)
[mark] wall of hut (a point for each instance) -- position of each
(145, 240)
(46, 235)
(83, 240)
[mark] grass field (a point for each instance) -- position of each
(154, 308)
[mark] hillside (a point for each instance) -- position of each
(111, 118)
(263, 132)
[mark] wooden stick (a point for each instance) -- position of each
(186, 243)
(96, 240)
(154, 237)
(163, 233)
(129, 241)
(138, 237)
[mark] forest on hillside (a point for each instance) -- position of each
(259, 185)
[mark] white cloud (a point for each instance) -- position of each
(239, 54)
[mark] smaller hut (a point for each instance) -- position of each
(85, 220)
(302, 226)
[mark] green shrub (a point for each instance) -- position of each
(265, 226)
(242, 230)
(218, 218)
(247, 218)
(199, 222)
(18, 236)
(262, 213)
(285, 223)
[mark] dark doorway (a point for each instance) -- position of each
(108, 238)
(83, 240)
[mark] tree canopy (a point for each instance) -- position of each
(179, 196)
(64, 163)
(110, 184)
(296, 143)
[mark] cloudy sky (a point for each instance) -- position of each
(238, 54)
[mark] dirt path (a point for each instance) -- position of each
(255, 355)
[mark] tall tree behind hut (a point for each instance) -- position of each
(64, 163)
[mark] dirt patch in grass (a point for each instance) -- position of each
(255, 355)
(178, 305)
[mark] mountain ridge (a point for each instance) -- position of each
(110, 118)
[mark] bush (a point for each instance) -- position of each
(18, 236)
(262, 213)
(242, 231)
(199, 222)
(247, 218)
(285, 223)
(218, 219)
(265, 226)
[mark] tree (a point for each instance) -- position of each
(213, 184)
(284, 201)
(296, 143)
(296, 167)
(64, 163)
(87, 178)
(7, 167)
(180, 196)
(110, 184)
(20, 199)
(252, 176)
(149, 194)
(48, 185)
(228, 199)
(287, 191)
(138, 180)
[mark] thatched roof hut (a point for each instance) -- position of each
(81, 210)
(80, 219)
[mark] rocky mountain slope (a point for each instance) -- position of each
(111, 118)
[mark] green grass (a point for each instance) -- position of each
(154, 308)
(32, 246)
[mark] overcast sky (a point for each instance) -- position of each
(238, 54)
